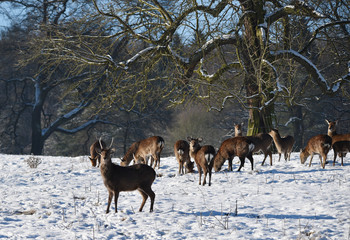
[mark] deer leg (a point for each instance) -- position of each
(262, 164)
(324, 160)
(200, 173)
(250, 157)
(312, 155)
(342, 159)
(151, 194)
(230, 164)
(144, 198)
(270, 154)
(242, 163)
(205, 171)
(209, 176)
(335, 156)
(110, 196)
(279, 156)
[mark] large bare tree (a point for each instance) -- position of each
(229, 51)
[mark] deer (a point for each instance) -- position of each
(283, 144)
(203, 156)
(95, 148)
(121, 179)
(238, 129)
(262, 142)
(231, 147)
(319, 144)
(341, 148)
(182, 154)
(139, 151)
(335, 136)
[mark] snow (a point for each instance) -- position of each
(64, 198)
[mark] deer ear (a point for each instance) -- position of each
(327, 121)
(200, 139)
(112, 150)
(189, 139)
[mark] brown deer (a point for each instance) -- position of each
(237, 146)
(341, 148)
(335, 136)
(95, 148)
(262, 142)
(283, 144)
(319, 144)
(203, 156)
(238, 129)
(182, 154)
(333, 133)
(120, 179)
(139, 151)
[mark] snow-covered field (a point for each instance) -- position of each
(64, 198)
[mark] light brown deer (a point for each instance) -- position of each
(332, 125)
(182, 154)
(283, 144)
(341, 148)
(238, 129)
(203, 156)
(95, 148)
(141, 150)
(262, 142)
(237, 146)
(319, 144)
(120, 179)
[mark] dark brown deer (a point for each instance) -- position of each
(237, 146)
(95, 148)
(341, 148)
(203, 156)
(283, 144)
(182, 154)
(141, 150)
(319, 144)
(120, 179)
(262, 142)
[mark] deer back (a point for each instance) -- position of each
(149, 146)
(262, 141)
(320, 144)
(181, 150)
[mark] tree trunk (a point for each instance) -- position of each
(251, 54)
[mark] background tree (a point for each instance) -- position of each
(131, 56)
(247, 38)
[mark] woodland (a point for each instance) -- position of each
(72, 71)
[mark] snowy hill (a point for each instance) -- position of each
(64, 198)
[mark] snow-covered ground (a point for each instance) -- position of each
(64, 198)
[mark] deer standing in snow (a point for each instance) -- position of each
(341, 148)
(203, 156)
(262, 142)
(120, 179)
(319, 144)
(332, 125)
(141, 150)
(283, 144)
(237, 146)
(182, 154)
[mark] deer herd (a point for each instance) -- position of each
(140, 176)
